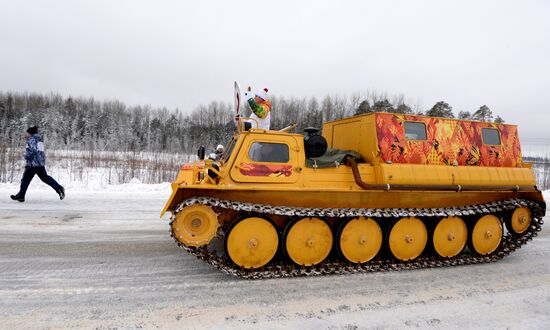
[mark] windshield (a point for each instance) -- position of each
(229, 149)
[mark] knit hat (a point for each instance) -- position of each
(32, 130)
(262, 94)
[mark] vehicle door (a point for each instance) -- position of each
(267, 159)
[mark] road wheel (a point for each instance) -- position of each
(450, 236)
(195, 225)
(252, 242)
(486, 235)
(359, 240)
(407, 238)
(519, 220)
(308, 241)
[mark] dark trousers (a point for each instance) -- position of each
(41, 172)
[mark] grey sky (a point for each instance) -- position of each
(184, 53)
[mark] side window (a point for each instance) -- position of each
(490, 136)
(415, 131)
(268, 152)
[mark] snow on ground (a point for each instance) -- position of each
(102, 259)
(94, 180)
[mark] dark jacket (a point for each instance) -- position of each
(34, 152)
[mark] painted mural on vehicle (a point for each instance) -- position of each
(450, 142)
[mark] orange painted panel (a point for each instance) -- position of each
(251, 169)
(449, 141)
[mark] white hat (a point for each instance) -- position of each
(262, 93)
(219, 147)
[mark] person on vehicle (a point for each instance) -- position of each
(217, 154)
(261, 108)
(35, 159)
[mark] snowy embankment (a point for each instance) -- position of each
(91, 169)
(95, 184)
(94, 181)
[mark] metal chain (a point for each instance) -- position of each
(280, 269)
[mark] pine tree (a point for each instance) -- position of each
(441, 109)
(499, 120)
(464, 115)
(403, 108)
(483, 114)
(383, 106)
(364, 107)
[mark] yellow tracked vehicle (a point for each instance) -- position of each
(374, 192)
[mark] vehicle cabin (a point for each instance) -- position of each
(409, 139)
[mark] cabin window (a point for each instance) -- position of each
(415, 130)
(268, 152)
(490, 136)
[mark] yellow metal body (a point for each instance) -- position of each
(355, 133)
(335, 187)
(242, 176)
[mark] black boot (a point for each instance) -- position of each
(17, 198)
(61, 193)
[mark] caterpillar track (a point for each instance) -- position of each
(281, 267)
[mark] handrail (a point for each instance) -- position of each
(288, 128)
(242, 120)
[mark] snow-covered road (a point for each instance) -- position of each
(103, 259)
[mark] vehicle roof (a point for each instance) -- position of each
(401, 114)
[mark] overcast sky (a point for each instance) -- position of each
(180, 54)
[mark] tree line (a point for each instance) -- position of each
(78, 123)
(440, 109)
